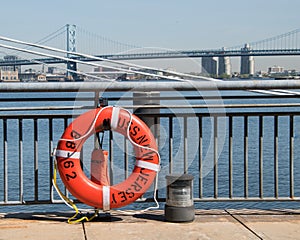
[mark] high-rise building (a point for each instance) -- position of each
(209, 65)
(247, 61)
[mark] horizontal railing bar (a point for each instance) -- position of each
(150, 86)
(11, 203)
(36, 116)
(260, 105)
(52, 108)
(208, 199)
(250, 199)
(48, 108)
(162, 98)
(234, 199)
(222, 114)
(43, 99)
(6, 203)
(162, 115)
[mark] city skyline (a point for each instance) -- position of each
(219, 67)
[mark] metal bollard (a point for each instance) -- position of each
(179, 203)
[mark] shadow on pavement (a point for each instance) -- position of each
(57, 216)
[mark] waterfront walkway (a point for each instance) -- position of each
(208, 224)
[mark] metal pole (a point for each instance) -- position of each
(230, 150)
(149, 86)
(246, 183)
(291, 156)
(200, 157)
(36, 162)
(5, 167)
(170, 145)
(261, 173)
(215, 122)
(21, 190)
(276, 156)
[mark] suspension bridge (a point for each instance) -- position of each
(76, 39)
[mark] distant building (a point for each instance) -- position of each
(27, 76)
(102, 69)
(9, 76)
(41, 78)
(51, 70)
(110, 74)
(11, 58)
(275, 69)
(55, 78)
(209, 65)
(247, 62)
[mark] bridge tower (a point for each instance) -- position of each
(224, 65)
(247, 61)
(71, 47)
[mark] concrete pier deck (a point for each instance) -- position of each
(208, 224)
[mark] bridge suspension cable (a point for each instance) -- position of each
(74, 60)
(52, 36)
(94, 43)
(99, 59)
(59, 32)
(288, 40)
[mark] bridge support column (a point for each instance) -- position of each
(224, 69)
(247, 61)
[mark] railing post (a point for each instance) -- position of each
(147, 98)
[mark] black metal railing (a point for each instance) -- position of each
(240, 151)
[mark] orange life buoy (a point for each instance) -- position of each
(88, 191)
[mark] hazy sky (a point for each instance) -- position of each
(190, 24)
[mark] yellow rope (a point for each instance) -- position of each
(70, 202)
